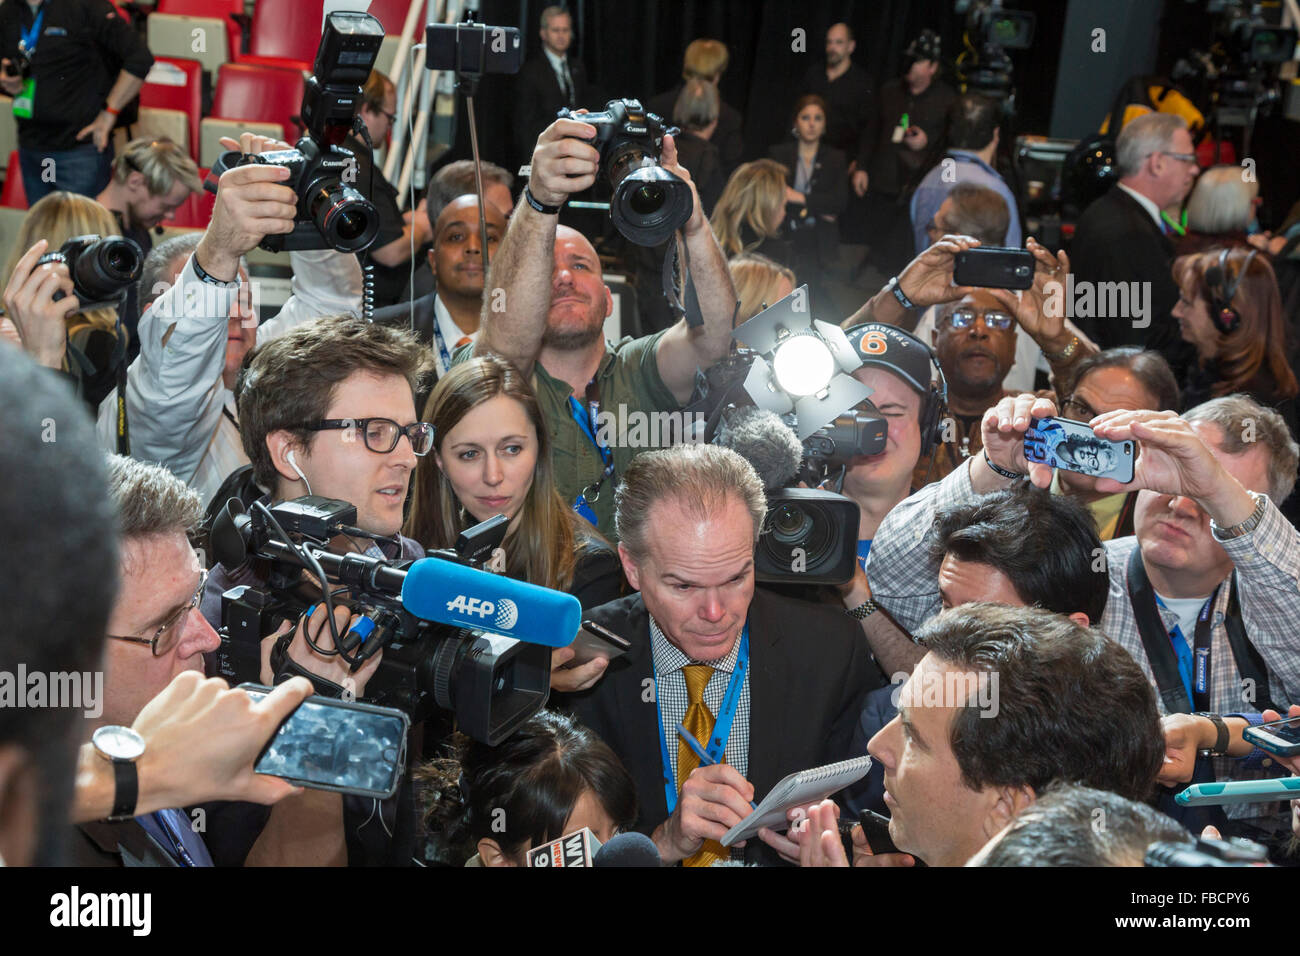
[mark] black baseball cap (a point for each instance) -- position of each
(889, 347)
(927, 46)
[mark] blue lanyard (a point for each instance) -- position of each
(441, 343)
(586, 419)
(1194, 668)
(717, 745)
(29, 36)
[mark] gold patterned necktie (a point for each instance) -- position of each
(699, 723)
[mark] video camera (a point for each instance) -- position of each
(331, 213)
(102, 268)
(450, 636)
(991, 30)
(649, 203)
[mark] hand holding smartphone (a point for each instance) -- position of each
(1073, 446)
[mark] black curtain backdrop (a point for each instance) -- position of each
(634, 48)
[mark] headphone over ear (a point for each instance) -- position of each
(1225, 318)
(934, 409)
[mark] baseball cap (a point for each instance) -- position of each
(926, 46)
(889, 347)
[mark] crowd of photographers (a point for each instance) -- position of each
(1016, 646)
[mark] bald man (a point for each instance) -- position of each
(448, 317)
(545, 311)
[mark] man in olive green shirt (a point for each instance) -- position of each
(546, 280)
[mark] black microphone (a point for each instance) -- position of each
(766, 442)
(628, 849)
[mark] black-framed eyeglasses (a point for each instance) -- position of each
(1078, 409)
(392, 117)
(165, 638)
(381, 434)
(993, 319)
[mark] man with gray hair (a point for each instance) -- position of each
(1123, 237)
(766, 685)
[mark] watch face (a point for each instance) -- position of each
(118, 743)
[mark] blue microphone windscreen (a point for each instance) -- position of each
(450, 593)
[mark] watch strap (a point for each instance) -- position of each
(126, 790)
(1242, 527)
(863, 610)
(1221, 741)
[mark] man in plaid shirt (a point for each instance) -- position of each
(1210, 482)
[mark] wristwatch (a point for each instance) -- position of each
(122, 747)
(1241, 527)
(863, 610)
(1221, 742)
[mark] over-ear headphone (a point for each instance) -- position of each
(1225, 318)
(934, 401)
(934, 409)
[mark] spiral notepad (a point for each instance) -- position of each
(806, 786)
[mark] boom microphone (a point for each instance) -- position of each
(766, 442)
(454, 594)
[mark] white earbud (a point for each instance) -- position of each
(293, 463)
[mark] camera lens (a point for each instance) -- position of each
(346, 219)
(646, 200)
(351, 224)
(790, 523)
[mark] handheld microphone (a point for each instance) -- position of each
(766, 442)
(628, 849)
(577, 849)
(454, 594)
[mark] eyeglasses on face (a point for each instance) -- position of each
(1182, 157)
(1076, 408)
(167, 636)
(993, 319)
(380, 434)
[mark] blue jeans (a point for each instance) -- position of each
(83, 170)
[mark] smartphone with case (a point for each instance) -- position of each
(994, 267)
(1064, 443)
(596, 641)
(338, 745)
(1281, 737)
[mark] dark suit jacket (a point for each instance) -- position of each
(1117, 241)
(808, 673)
(828, 190)
(400, 316)
(538, 98)
(115, 844)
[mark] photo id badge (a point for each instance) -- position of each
(25, 98)
(897, 136)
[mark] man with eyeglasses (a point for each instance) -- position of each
(975, 341)
(1122, 236)
(400, 233)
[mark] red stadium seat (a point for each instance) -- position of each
(221, 9)
(285, 33)
(196, 211)
(267, 94)
(392, 14)
(13, 196)
(175, 84)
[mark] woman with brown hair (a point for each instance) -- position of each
(1229, 308)
(493, 453)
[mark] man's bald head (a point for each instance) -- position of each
(457, 254)
(580, 300)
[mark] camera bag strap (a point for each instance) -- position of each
(1155, 638)
(1250, 664)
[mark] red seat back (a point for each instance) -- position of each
(266, 94)
(186, 97)
(13, 196)
(392, 14)
(221, 9)
(196, 211)
(288, 29)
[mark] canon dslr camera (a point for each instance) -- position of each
(102, 268)
(649, 203)
(332, 214)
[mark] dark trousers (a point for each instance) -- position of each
(83, 170)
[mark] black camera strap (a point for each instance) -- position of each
(1160, 652)
(119, 356)
(686, 305)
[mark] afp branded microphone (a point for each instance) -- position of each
(571, 850)
(454, 594)
(766, 442)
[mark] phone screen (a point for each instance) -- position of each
(337, 745)
(1071, 445)
(1288, 730)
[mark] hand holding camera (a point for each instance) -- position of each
(252, 202)
(30, 301)
(1003, 433)
(1029, 307)
(564, 162)
(928, 279)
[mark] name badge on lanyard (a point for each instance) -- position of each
(25, 101)
(586, 419)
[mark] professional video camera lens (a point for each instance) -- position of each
(790, 523)
(348, 220)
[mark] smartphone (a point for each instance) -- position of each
(596, 641)
(1281, 737)
(994, 267)
(339, 745)
(876, 829)
(1064, 443)
(1239, 791)
(474, 47)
